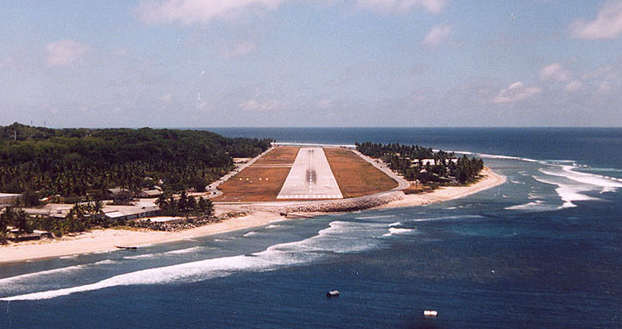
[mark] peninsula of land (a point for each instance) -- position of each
(276, 183)
(106, 240)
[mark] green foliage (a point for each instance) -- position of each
(185, 206)
(5, 220)
(83, 216)
(29, 198)
(122, 198)
(405, 151)
(408, 161)
(16, 218)
(72, 162)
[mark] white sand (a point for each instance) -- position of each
(97, 241)
(491, 179)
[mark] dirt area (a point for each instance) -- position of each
(253, 184)
(414, 189)
(355, 176)
(284, 155)
(262, 181)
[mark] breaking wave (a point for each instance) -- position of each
(394, 230)
(429, 219)
(572, 185)
(527, 206)
(31, 276)
(375, 217)
(339, 237)
(141, 256)
(183, 251)
(568, 193)
(106, 262)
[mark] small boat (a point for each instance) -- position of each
(430, 314)
(332, 293)
(127, 248)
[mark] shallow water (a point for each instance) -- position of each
(542, 250)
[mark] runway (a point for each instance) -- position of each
(310, 177)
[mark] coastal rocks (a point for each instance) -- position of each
(341, 205)
(176, 225)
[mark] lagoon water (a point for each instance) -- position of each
(543, 250)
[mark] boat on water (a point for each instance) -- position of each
(333, 293)
(127, 247)
(430, 313)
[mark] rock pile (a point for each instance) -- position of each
(175, 226)
(353, 204)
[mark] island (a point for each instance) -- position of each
(71, 191)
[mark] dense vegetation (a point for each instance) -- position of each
(89, 214)
(74, 162)
(417, 163)
(82, 164)
(184, 205)
(80, 218)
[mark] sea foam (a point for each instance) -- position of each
(573, 184)
(527, 206)
(429, 219)
(394, 230)
(375, 217)
(183, 251)
(339, 237)
(31, 276)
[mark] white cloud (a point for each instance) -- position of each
(604, 80)
(240, 49)
(555, 72)
(261, 106)
(605, 87)
(574, 85)
(202, 11)
(433, 6)
(64, 52)
(607, 25)
(437, 35)
(166, 98)
(197, 11)
(7, 61)
(325, 104)
(514, 93)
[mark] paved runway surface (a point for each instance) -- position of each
(310, 177)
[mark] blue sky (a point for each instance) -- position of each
(206, 63)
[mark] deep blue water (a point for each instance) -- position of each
(541, 251)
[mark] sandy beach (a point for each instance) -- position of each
(97, 241)
(491, 179)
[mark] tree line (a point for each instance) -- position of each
(418, 163)
(184, 205)
(76, 162)
(82, 216)
(89, 214)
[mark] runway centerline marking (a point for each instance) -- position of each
(310, 177)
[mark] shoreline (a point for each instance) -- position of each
(106, 240)
(446, 193)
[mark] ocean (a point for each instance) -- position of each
(540, 251)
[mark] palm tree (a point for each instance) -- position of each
(21, 222)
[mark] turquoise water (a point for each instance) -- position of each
(541, 251)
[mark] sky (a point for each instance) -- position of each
(329, 63)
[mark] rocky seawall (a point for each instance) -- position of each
(353, 204)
